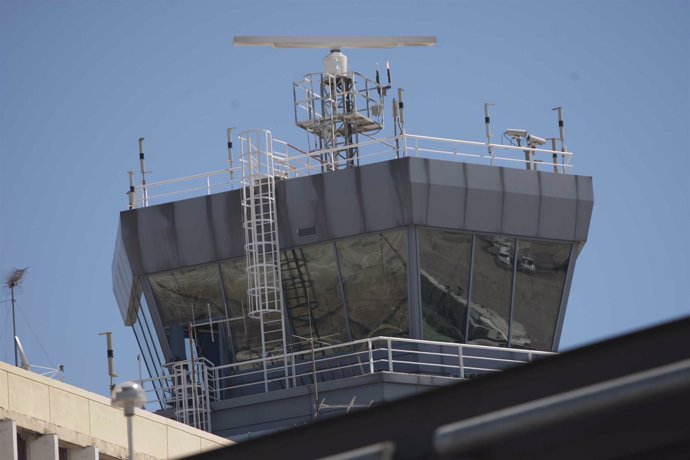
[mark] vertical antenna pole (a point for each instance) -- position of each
(111, 367)
(487, 122)
(132, 194)
(143, 170)
(555, 155)
(230, 161)
(561, 132)
(395, 128)
(401, 110)
(14, 328)
(401, 117)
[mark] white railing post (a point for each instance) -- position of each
(371, 357)
(208, 185)
(390, 355)
(294, 371)
(216, 382)
(461, 359)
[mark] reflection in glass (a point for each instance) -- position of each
(444, 259)
(148, 342)
(188, 294)
(492, 276)
(541, 271)
(374, 273)
(245, 331)
(312, 295)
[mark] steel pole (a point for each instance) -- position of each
(130, 437)
(14, 328)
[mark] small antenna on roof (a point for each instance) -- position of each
(13, 280)
(144, 172)
(25, 362)
(111, 367)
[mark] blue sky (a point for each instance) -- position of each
(81, 81)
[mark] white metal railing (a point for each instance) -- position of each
(186, 392)
(293, 162)
(189, 391)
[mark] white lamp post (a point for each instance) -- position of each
(128, 395)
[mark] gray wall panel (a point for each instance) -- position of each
(438, 193)
(194, 232)
(361, 200)
(382, 198)
(484, 212)
(122, 278)
(558, 209)
(585, 204)
(343, 198)
(298, 207)
(157, 237)
(521, 202)
(226, 222)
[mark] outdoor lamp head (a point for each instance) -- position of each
(128, 395)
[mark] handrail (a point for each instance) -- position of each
(397, 355)
(295, 162)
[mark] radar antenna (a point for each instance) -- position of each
(337, 104)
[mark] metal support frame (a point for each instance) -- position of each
(336, 109)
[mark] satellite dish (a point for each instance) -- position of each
(25, 362)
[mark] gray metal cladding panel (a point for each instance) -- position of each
(385, 195)
(521, 202)
(585, 204)
(343, 203)
(299, 207)
(226, 222)
(123, 280)
(558, 206)
(342, 196)
(183, 233)
(438, 193)
(194, 231)
(360, 200)
(484, 210)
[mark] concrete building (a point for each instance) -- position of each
(43, 419)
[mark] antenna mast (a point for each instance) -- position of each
(14, 279)
(337, 105)
(111, 367)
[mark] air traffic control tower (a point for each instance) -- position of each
(300, 283)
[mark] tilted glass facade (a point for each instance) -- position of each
(473, 288)
(491, 289)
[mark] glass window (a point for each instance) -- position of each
(492, 277)
(245, 331)
(312, 295)
(444, 259)
(189, 294)
(148, 342)
(540, 278)
(374, 274)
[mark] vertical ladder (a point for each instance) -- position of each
(299, 294)
(262, 250)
